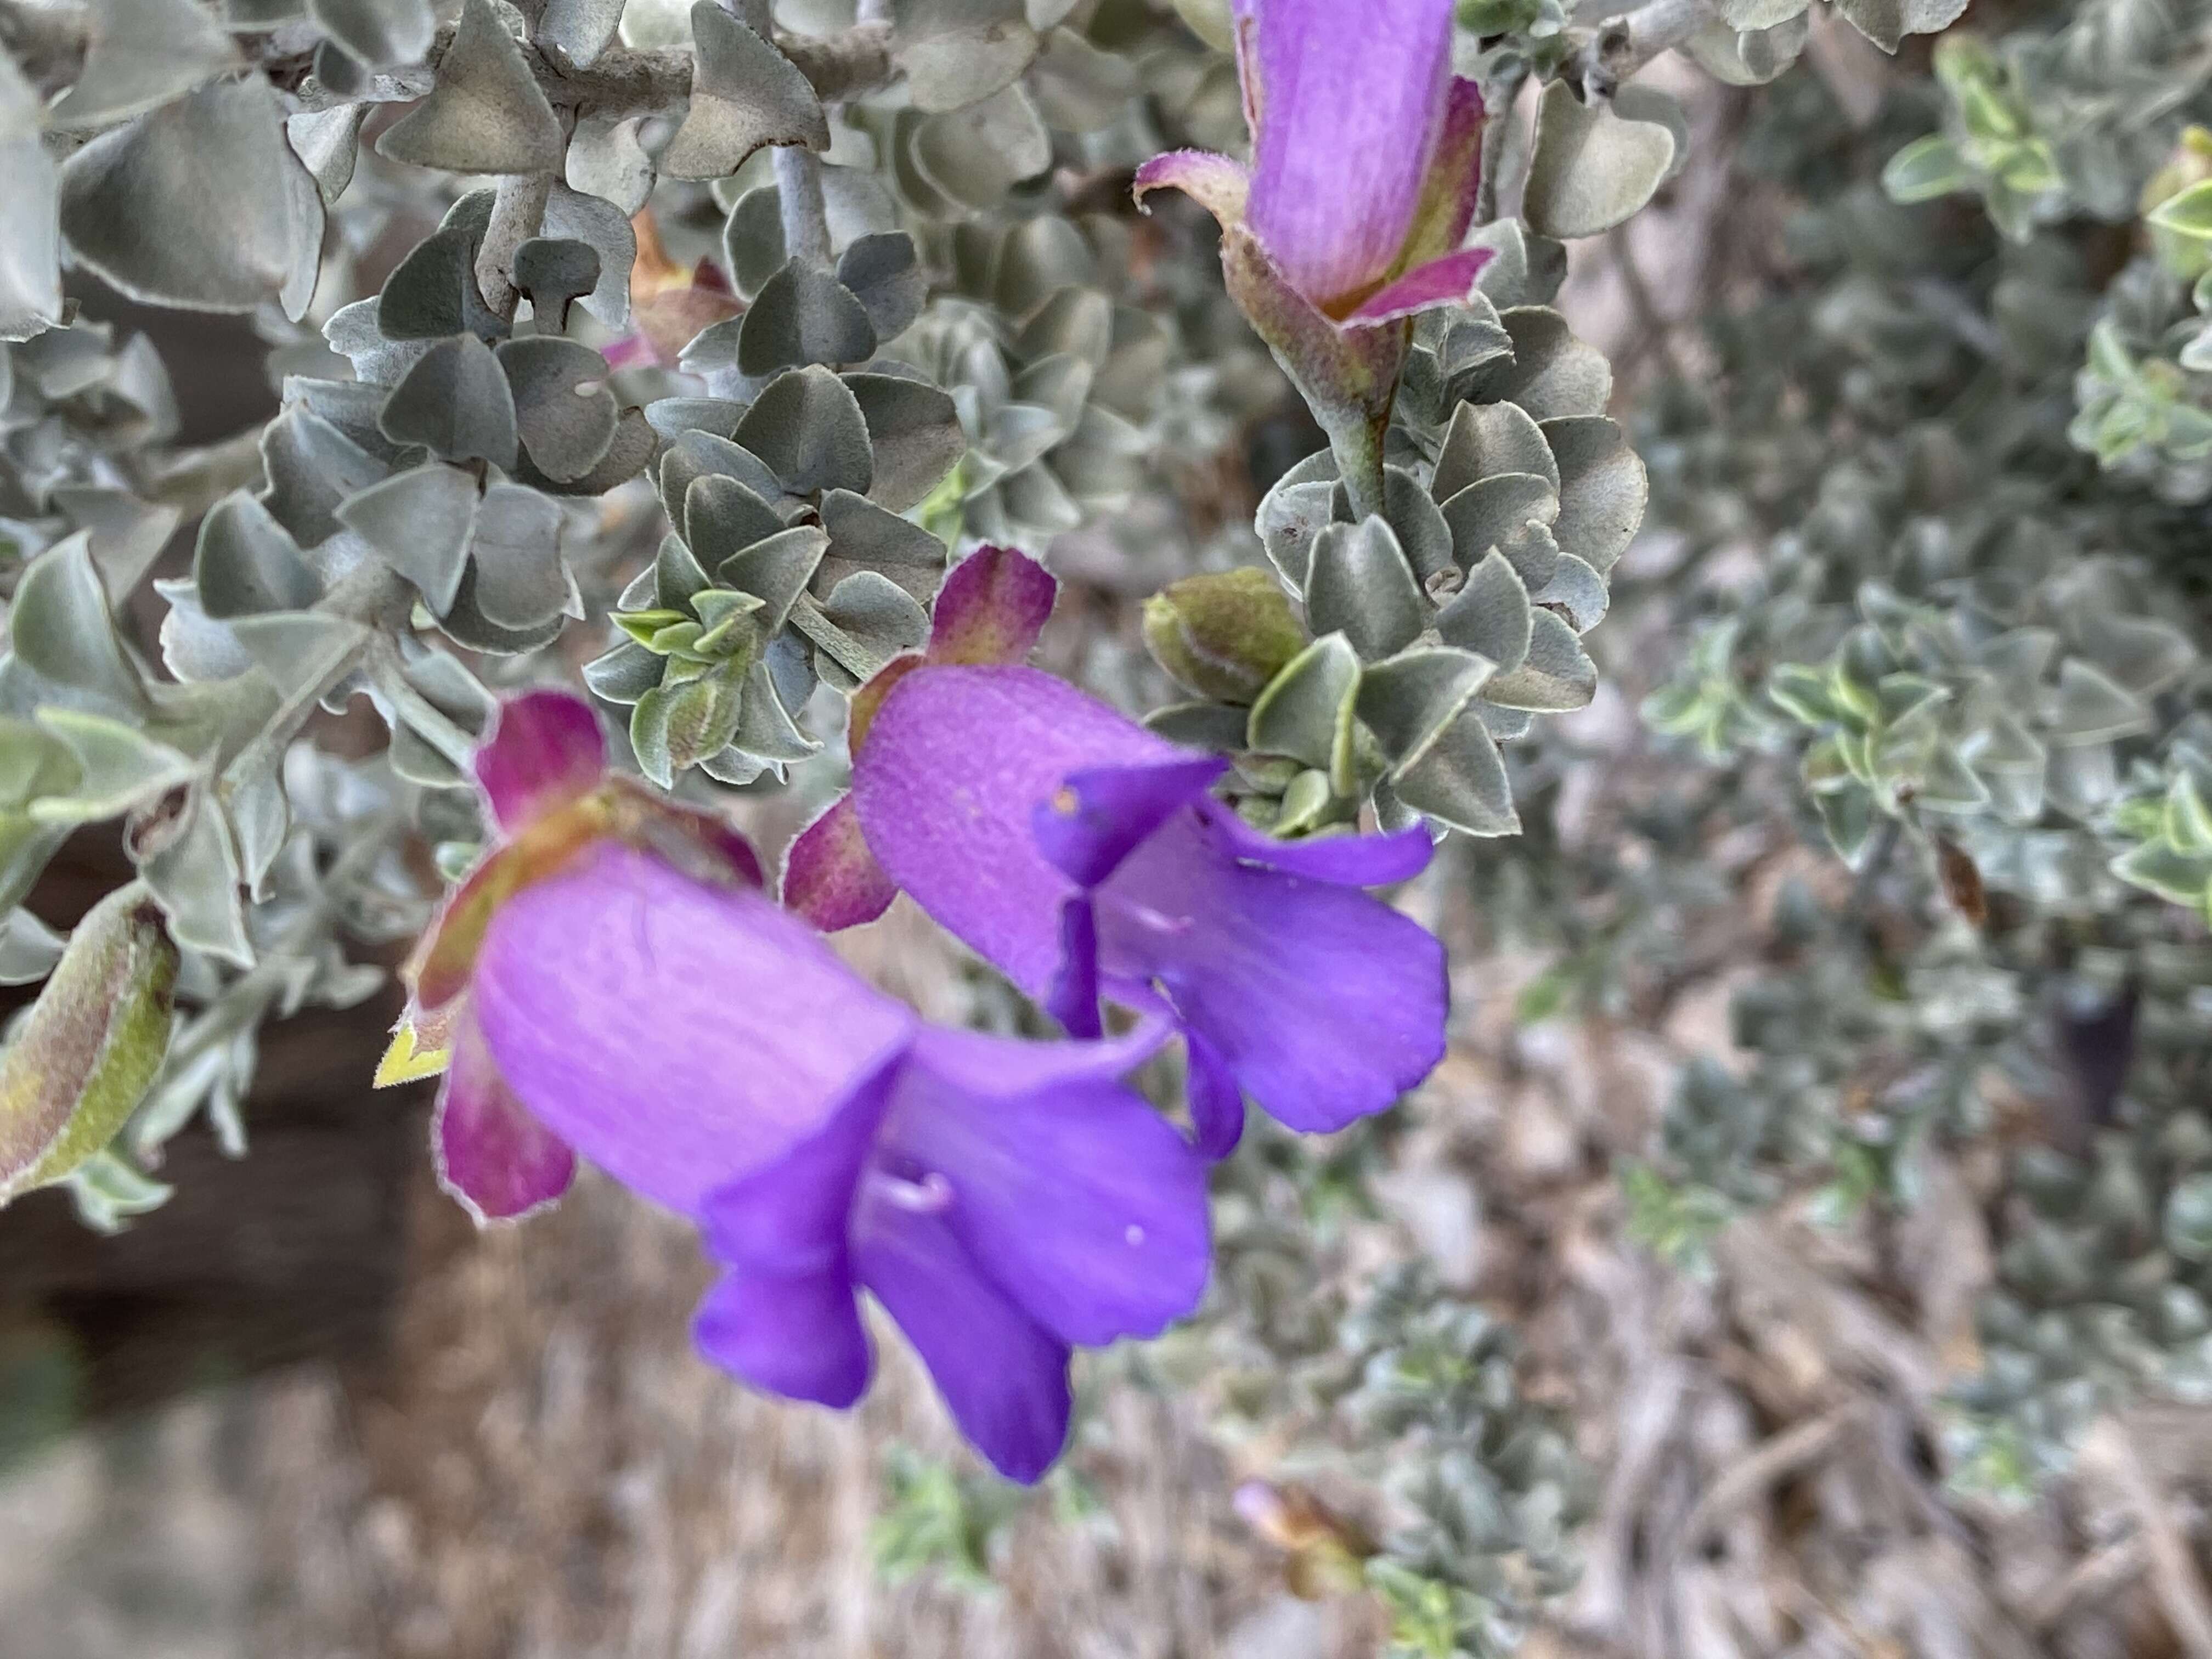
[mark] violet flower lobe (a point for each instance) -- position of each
(611, 984)
(1084, 856)
(1366, 154)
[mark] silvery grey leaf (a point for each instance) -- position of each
(627, 456)
(1212, 726)
(1036, 500)
(976, 154)
(957, 53)
(1577, 592)
(381, 33)
(698, 452)
(607, 159)
(1074, 320)
(1489, 437)
(195, 647)
(1459, 780)
(311, 467)
(1406, 700)
(419, 522)
(1020, 434)
(856, 202)
(1593, 167)
(119, 767)
(201, 203)
(433, 292)
(713, 351)
(745, 94)
(339, 73)
(775, 571)
(246, 563)
(1551, 373)
(59, 626)
(578, 217)
(450, 688)
(1524, 270)
(765, 727)
(413, 758)
(882, 271)
(467, 625)
(126, 535)
(328, 143)
(141, 54)
(1299, 507)
(866, 535)
(1418, 523)
(808, 427)
(625, 674)
(1487, 513)
(1603, 489)
(456, 402)
(28, 949)
(1749, 58)
(1557, 675)
(301, 652)
(1078, 86)
(580, 30)
(1759, 14)
(733, 767)
(802, 314)
(1306, 711)
(1102, 461)
(261, 820)
(1535, 556)
(672, 417)
(486, 113)
(30, 247)
(1490, 614)
(563, 413)
(2088, 706)
(721, 517)
(515, 557)
(355, 408)
(915, 432)
(194, 876)
(555, 270)
(677, 577)
(752, 240)
(1886, 22)
(2144, 654)
(878, 612)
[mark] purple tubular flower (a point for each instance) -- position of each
(1083, 855)
(1366, 156)
(1005, 1201)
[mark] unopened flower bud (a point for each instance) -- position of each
(92, 1046)
(1223, 635)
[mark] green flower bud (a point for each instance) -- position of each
(92, 1046)
(1223, 636)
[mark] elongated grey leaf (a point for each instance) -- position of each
(246, 562)
(957, 53)
(915, 430)
(328, 143)
(810, 429)
(1361, 585)
(420, 521)
(486, 113)
(60, 628)
(201, 203)
(745, 94)
(562, 410)
(578, 217)
(379, 33)
(516, 551)
(30, 249)
(456, 402)
(579, 30)
(1593, 168)
(144, 53)
(803, 315)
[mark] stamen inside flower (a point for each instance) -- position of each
(930, 1195)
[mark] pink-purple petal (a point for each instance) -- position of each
(1002, 1376)
(679, 1034)
(799, 1336)
(829, 875)
(546, 750)
(1098, 816)
(499, 1162)
(1216, 182)
(1217, 1099)
(1072, 997)
(1326, 1003)
(1350, 102)
(1347, 860)
(992, 609)
(1443, 282)
(955, 764)
(1448, 191)
(1078, 1201)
